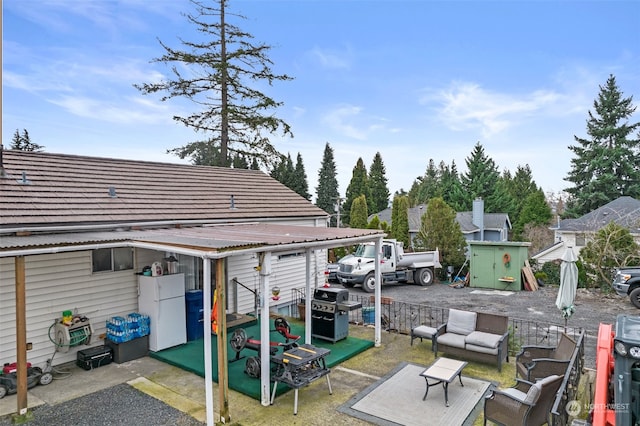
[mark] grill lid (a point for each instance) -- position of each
(331, 294)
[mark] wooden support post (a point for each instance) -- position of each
(223, 367)
(21, 334)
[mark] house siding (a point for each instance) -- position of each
(58, 282)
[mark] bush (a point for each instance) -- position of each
(552, 271)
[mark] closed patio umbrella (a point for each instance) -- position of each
(568, 285)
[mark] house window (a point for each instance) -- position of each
(109, 260)
(581, 241)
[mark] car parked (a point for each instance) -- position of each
(627, 283)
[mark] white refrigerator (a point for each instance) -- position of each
(162, 298)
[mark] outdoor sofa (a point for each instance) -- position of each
(476, 336)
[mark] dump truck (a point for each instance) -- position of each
(396, 266)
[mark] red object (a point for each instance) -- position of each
(11, 368)
(603, 415)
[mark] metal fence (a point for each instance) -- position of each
(401, 317)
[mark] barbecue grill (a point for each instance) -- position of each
(330, 313)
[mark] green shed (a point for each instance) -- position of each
(497, 265)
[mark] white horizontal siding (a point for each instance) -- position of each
(58, 282)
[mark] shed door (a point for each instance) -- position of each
(483, 267)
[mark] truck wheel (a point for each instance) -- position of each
(347, 285)
(3, 391)
(634, 296)
(369, 283)
(424, 276)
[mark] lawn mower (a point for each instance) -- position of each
(35, 376)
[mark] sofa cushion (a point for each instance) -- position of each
(533, 394)
(451, 339)
(424, 331)
(461, 322)
(515, 393)
(480, 338)
(481, 349)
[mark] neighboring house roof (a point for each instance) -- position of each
(492, 221)
(42, 189)
(624, 211)
(549, 249)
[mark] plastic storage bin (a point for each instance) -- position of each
(129, 350)
(195, 326)
(368, 315)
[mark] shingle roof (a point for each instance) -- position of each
(624, 211)
(55, 189)
(492, 221)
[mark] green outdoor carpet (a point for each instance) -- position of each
(190, 356)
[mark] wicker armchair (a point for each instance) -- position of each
(526, 404)
(534, 362)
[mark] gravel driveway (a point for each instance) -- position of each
(592, 306)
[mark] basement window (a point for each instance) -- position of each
(110, 260)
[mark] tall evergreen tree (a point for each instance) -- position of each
(284, 172)
(359, 185)
(439, 229)
(425, 187)
(607, 165)
(451, 187)
(400, 220)
(301, 186)
(378, 187)
(535, 211)
(482, 180)
(359, 212)
(217, 73)
(519, 187)
(327, 195)
(22, 142)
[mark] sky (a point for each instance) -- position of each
(413, 80)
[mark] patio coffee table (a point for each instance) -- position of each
(443, 370)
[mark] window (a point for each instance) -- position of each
(581, 240)
(108, 260)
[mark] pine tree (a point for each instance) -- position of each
(535, 211)
(378, 187)
(400, 220)
(359, 185)
(452, 191)
(217, 73)
(22, 142)
(482, 180)
(426, 186)
(301, 186)
(439, 229)
(327, 195)
(606, 166)
(520, 186)
(359, 212)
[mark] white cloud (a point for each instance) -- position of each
(465, 105)
(331, 59)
